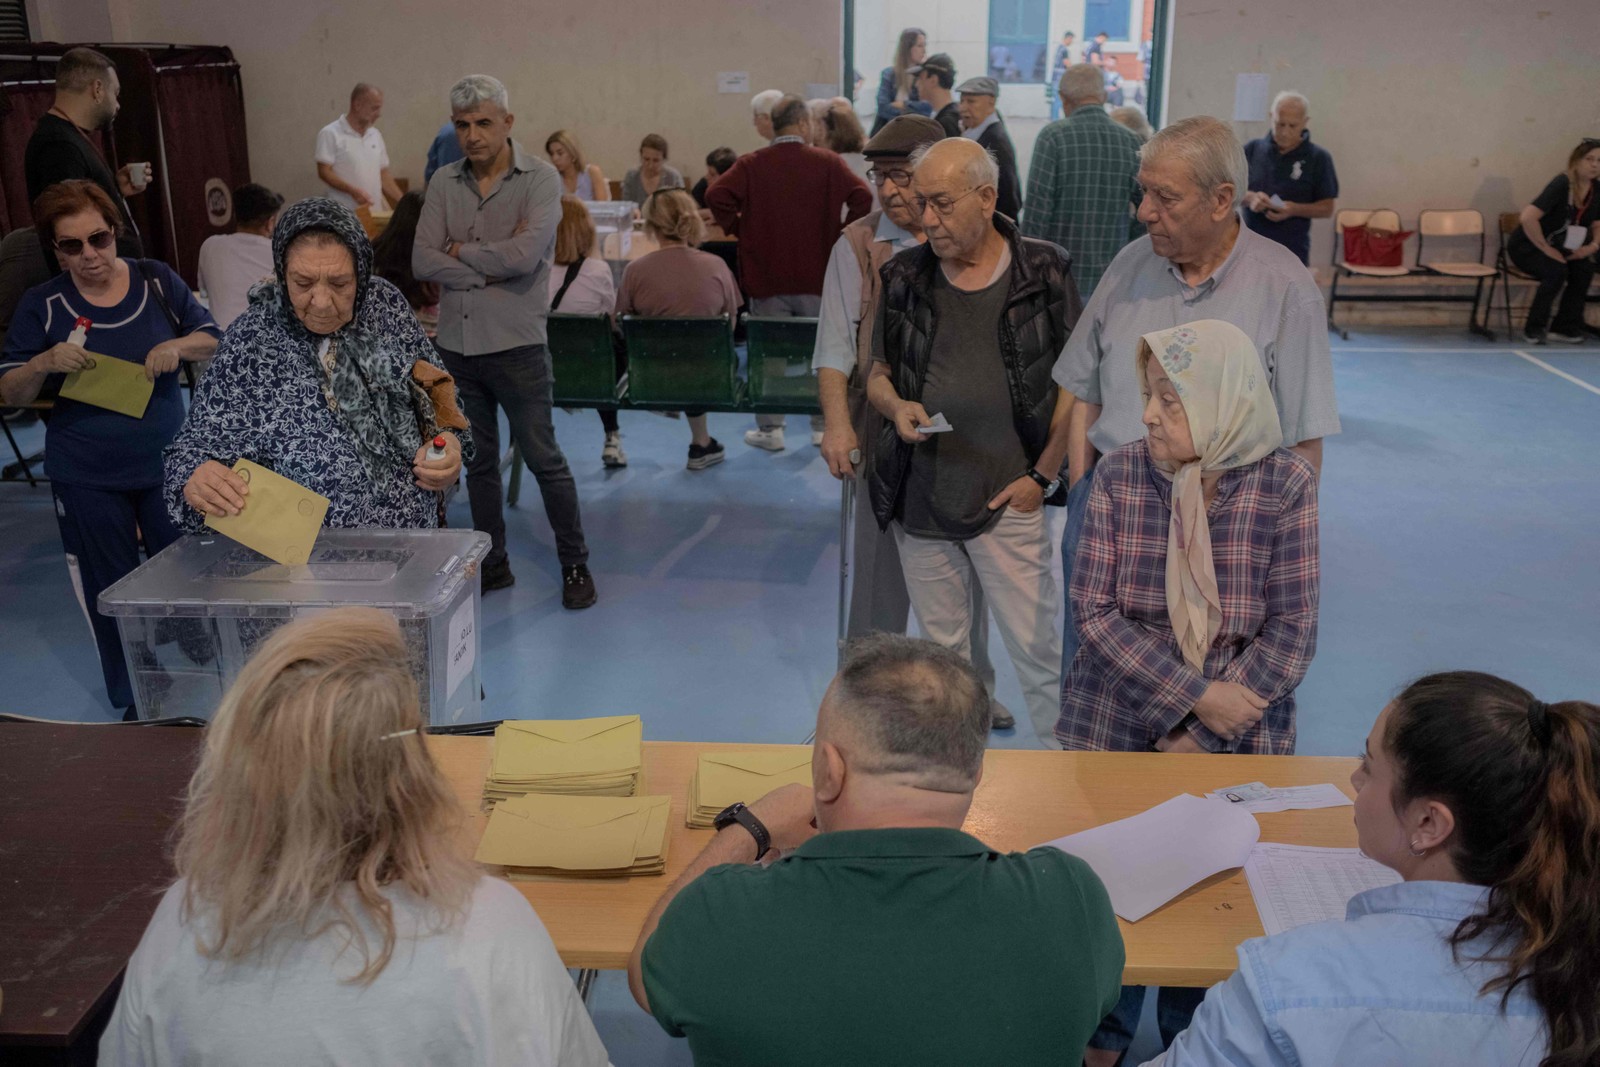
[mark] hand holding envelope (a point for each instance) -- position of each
(577, 757)
(111, 383)
(280, 518)
(724, 778)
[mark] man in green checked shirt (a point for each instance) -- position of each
(1082, 181)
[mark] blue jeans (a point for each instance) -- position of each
(518, 380)
(1175, 1008)
(1077, 507)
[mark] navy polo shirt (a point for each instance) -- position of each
(89, 446)
(1302, 175)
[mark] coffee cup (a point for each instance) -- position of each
(139, 175)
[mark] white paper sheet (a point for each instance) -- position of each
(1297, 884)
(1257, 798)
(1148, 859)
(1250, 98)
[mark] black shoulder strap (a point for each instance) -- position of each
(572, 275)
(166, 309)
(160, 295)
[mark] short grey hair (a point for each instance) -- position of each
(1289, 96)
(1133, 117)
(763, 102)
(918, 708)
(980, 170)
(1209, 149)
(1083, 81)
(476, 89)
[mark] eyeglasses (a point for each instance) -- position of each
(899, 176)
(942, 205)
(98, 240)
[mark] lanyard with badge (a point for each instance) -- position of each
(1576, 233)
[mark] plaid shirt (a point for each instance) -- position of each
(1129, 684)
(1081, 182)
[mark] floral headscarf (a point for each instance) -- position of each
(383, 411)
(1223, 386)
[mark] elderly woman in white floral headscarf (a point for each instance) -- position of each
(1195, 585)
(1194, 588)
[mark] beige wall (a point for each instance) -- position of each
(1428, 103)
(610, 71)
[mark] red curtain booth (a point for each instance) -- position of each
(182, 112)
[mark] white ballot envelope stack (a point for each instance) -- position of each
(1149, 858)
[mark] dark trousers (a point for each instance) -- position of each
(1574, 275)
(100, 530)
(1175, 1008)
(517, 380)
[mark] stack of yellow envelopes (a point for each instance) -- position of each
(576, 757)
(543, 836)
(723, 778)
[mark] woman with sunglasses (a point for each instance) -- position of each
(104, 465)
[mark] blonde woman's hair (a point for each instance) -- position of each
(575, 234)
(671, 214)
(565, 139)
(305, 806)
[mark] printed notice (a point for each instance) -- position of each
(733, 81)
(1250, 98)
(462, 647)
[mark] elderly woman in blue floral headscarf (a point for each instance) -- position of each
(328, 380)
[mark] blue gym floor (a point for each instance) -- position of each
(1459, 510)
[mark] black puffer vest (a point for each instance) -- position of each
(1041, 310)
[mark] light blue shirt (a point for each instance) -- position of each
(840, 314)
(1381, 989)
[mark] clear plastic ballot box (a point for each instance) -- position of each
(192, 616)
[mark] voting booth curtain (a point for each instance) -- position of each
(182, 112)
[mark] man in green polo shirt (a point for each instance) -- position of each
(890, 936)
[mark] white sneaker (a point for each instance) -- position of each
(1565, 338)
(816, 438)
(771, 440)
(613, 455)
(1532, 338)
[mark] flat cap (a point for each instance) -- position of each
(903, 136)
(938, 63)
(980, 87)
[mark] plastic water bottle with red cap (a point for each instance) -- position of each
(437, 449)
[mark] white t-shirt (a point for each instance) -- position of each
(593, 291)
(230, 263)
(491, 991)
(358, 158)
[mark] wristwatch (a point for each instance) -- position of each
(1046, 484)
(738, 813)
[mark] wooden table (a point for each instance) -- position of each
(1026, 798)
(84, 816)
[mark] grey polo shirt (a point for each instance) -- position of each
(1261, 287)
(496, 295)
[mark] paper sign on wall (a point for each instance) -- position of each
(1250, 98)
(821, 90)
(462, 648)
(733, 81)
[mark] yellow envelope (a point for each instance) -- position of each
(575, 833)
(280, 518)
(726, 777)
(111, 383)
(527, 749)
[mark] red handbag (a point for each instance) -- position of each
(1366, 246)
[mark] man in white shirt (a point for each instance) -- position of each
(231, 263)
(352, 160)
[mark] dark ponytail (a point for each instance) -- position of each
(1523, 781)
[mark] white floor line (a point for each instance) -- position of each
(1479, 350)
(1579, 382)
(670, 560)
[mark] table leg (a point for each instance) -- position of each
(585, 982)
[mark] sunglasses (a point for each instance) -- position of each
(99, 240)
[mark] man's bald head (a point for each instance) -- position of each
(956, 161)
(910, 709)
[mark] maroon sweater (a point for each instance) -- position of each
(787, 203)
